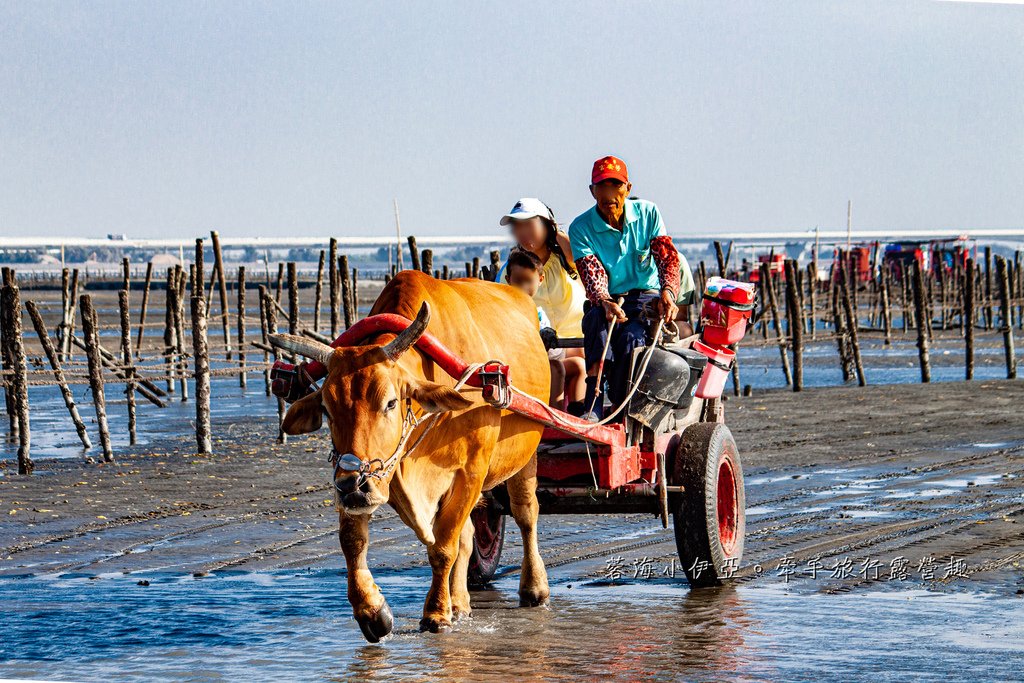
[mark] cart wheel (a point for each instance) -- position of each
(488, 539)
(710, 515)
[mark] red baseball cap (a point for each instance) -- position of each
(608, 167)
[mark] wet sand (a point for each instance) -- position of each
(890, 493)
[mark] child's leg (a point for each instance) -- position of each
(557, 397)
(575, 386)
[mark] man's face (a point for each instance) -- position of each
(610, 195)
(525, 279)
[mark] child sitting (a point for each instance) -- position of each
(525, 271)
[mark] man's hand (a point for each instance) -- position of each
(612, 311)
(667, 308)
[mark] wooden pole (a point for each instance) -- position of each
(145, 306)
(200, 352)
(987, 292)
(355, 294)
(839, 327)
(1006, 319)
(922, 322)
(179, 333)
(264, 296)
(169, 345)
(346, 290)
(851, 321)
(720, 256)
(272, 329)
(968, 316)
(218, 263)
(69, 320)
(495, 264)
(335, 284)
(293, 299)
(92, 353)
(199, 281)
(58, 373)
(414, 253)
(280, 281)
(241, 327)
(812, 289)
(11, 298)
(795, 324)
(65, 293)
(7, 354)
(883, 293)
(769, 289)
(318, 292)
(127, 366)
(428, 261)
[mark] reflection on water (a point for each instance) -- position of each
(288, 626)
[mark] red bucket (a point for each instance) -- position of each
(724, 311)
(712, 382)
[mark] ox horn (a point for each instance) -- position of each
(400, 344)
(310, 348)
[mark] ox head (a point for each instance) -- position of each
(364, 397)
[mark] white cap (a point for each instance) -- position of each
(527, 207)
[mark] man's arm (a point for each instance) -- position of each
(666, 258)
(594, 278)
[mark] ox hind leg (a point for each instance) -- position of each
(459, 582)
(368, 604)
(449, 529)
(522, 494)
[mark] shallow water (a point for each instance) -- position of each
(298, 626)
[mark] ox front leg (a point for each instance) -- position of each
(368, 604)
(522, 495)
(449, 529)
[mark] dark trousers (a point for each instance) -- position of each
(626, 336)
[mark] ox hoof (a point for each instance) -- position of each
(533, 599)
(435, 625)
(377, 625)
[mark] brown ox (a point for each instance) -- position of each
(471, 448)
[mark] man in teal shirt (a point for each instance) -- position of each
(622, 250)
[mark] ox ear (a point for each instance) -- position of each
(438, 399)
(304, 416)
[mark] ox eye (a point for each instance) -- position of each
(392, 404)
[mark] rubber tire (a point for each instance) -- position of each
(488, 541)
(702, 452)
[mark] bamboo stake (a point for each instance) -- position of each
(218, 263)
(318, 292)
(145, 305)
(201, 359)
(11, 299)
(921, 315)
(92, 354)
(58, 373)
(126, 361)
(1006, 321)
(241, 327)
(335, 285)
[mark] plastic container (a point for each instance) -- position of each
(725, 309)
(712, 381)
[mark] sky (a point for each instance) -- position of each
(169, 119)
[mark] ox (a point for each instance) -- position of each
(471, 447)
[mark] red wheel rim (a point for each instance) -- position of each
(728, 512)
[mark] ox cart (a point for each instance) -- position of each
(667, 453)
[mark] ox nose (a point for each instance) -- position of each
(346, 485)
